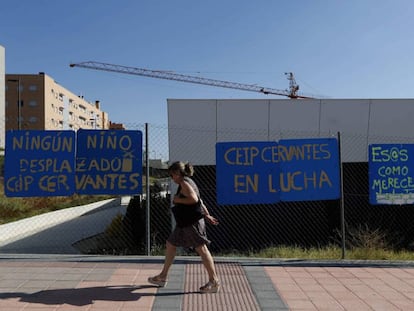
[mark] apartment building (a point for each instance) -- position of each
(38, 102)
(2, 95)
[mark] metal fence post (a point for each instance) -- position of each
(341, 200)
(148, 195)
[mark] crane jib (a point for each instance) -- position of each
(168, 75)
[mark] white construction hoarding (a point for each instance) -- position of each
(195, 125)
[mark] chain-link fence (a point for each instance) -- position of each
(247, 228)
(124, 226)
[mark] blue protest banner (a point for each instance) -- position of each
(39, 163)
(247, 173)
(309, 169)
(391, 174)
(109, 162)
(269, 172)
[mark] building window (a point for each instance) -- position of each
(32, 103)
(33, 88)
(72, 116)
(55, 123)
(33, 119)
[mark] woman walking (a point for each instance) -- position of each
(190, 214)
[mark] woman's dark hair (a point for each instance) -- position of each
(184, 169)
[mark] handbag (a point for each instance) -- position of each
(187, 214)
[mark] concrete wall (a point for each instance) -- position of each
(195, 125)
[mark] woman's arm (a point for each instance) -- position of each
(212, 220)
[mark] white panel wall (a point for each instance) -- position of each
(393, 118)
(192, 130)
(242, 120)
(293, 118)
(2, 96)
(350, 117)
(196, 125)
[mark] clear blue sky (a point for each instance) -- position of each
(337, 49)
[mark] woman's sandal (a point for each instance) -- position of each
(210, 287)
(156, 280)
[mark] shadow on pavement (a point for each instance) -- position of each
(87, 295)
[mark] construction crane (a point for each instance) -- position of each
(168, 75)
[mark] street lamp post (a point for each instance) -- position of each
(19, 113)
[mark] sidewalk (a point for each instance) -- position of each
(119, 283)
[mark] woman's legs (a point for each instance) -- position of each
(168, 261)
(161, 279)
(208, 262)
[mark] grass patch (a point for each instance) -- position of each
(330, 252)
